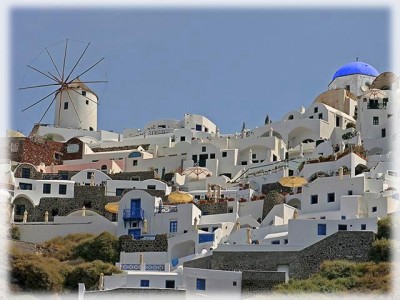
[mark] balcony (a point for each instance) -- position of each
(133, 214)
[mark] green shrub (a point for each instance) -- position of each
(384, 228)
(104, 247)
(380, 250)
(89, 274)
(15, 233)
(36, 273)
(63, 248)
(336, 269)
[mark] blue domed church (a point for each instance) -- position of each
(353, 76)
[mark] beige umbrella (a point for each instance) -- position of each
(197, 173)
(112, 207)
(375, 94)
(180, 197)
(292, 181)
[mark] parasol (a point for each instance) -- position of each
(197, 173)
(292, 181)
(180, 197)
(112, 207)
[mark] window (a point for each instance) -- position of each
(54, 212)
(375, 120)
(87, 204)
(275, 242)
(374, 209)
(224, 154)
(331, 197)
(315, 109)
(20, 209)
(311, 117)
(212, 155)
(170, 284)
(286, 241)
(173, 226)
(203, 149)
(134, 162)
(151, 187)
(87, 102)
(26, 173)
(25, 186)
(135, 178)
(194, 157)
(46, 188)
(89, 175)
(234, 283)
(342, 227)
(65, 105)
(144, 283)
(90, 128)
(363, 226)
(321, 229)
(200, 284)
(83, 93)
(314, 199)
(57, 155)
(244, 163)
(290, 117)
(254, 156)
(349, 192)
(348, 87)
(205, 129)
(320, 116)
(343, 217)
(118, 192)
(383, 132)
(182, 138)
(62, 189)
(198, 127)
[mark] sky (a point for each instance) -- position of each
(230, 65)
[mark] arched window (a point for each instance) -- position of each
(104, 168)
(135, 154)
(290, 117)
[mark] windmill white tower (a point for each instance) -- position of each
(76, 107)
(75, 103)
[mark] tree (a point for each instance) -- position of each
(384, 228)
(89, 274)
(381, 250)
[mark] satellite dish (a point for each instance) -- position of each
(364, 88)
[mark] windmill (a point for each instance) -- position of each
(75, 103)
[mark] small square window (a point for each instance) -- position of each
(343, 217)
(200, 284)
(331, 197)
(198, 127)
(254, 156)
(20, 209)
(320, 116)
(321, 229)
(234, 283)
(173, 226)
(348, 87)
(144, 283)
(349, 192)
(224, 154)
(83, 93)
(46, 188)
(170, 284)
(212, 155)
(182, 138)
(65, 105)
(314, 199)
(25, 186)
(62, 189)
(26, 173)
(134, 162)
(244, 163)
(89, 175)
(375, 121)
(363, 226)
(315, 109)
(374, 209)
(87, 204)
(203, 149)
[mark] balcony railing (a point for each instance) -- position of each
(376, 105)
(133, 214)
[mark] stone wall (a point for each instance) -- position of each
(199, 263)
(272, 198)
(213, 208)
(77, 152)
(260, 281)
(348, 245)
(160, 244)
(36, 151)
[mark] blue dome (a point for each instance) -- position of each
(356, 67)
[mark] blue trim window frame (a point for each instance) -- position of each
(144, 283)
(173, 226)
(200, 284)
(321, 229)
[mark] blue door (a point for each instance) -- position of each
(134, 232)
(135, 204)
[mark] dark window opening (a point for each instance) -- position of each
(200, 284)
(363, 226)
(383, 132)
(374, 209)
(54, 212)
(118, 192)
(84, 94)
(65, 105)
(212, 155)
(182, 138)
(331, 197)
(87, 102)
(375, 121)
(20, 209)
(203, 149)
(46, 188)
(26, 173)
(169, 284)
(151, 187)
(315, 109)
(224, 154)
(314, 199)
(87, 204)
(25, 186)
(349, 192)
(62, 189)
(144, 283)
(342, 227)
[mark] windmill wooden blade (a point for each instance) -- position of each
(40, 100)
(73, 105)
(37, 86)
(48, 107)
(54, 64)
(83, 53)
(87, 70)
(33, 68)
(65, 56)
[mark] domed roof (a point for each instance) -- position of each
(356, 67)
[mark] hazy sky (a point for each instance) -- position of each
(230, 65)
